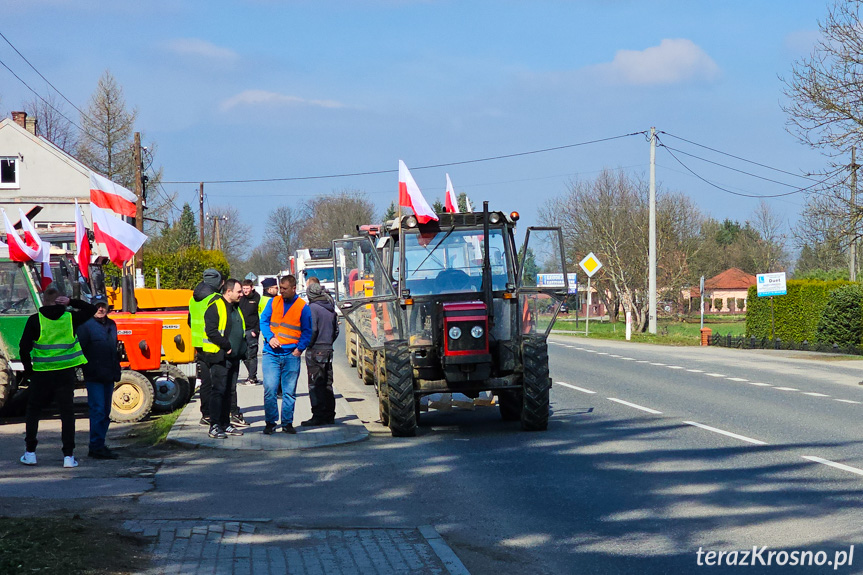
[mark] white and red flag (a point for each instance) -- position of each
(82, 244)
(121, 239)
(110, 196)
(31, 237)
(19, 251)
(47, 276)
(451, 202)
(411, 197)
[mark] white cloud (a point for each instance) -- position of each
(672, 62)
(197, 48)
(264, 98)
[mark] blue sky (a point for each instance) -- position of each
(271, 89)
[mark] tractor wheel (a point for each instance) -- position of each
(133, 397)
(170, 387)
(400, 390)
(534, 415)
(7, 382)
(511, 403)
(381, 388)
(369, 359)
(350, 344)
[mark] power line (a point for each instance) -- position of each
(377, 172)
(40, 97)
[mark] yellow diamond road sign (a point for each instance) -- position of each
(590, 264)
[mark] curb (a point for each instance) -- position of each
(444, 552)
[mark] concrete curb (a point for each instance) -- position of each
(444, 552)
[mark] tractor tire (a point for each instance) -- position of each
(8, 382)
(536, 385)
(369, 360)
(350, 344)
(400, 390)
(511, 404)
(133, 397)
(381, 388)
(170, 388)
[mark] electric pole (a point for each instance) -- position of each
(201, 213)
(217, 235)
(651, 250)
(852, 266)
(139, 196)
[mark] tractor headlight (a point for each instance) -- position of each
(494, 217)
(411, 222)
(455, 332)
(477, 331)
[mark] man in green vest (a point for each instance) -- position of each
(50, 353)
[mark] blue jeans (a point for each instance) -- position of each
(285, 370)
(99, 397)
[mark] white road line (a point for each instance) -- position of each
(570, 346)
(736, 379)
(786, 388)
(695, 370)
(613, 355)
(589, 350)
(556, 343)
(628, 358)
(576, 388)
(636, 406)
(642, 361)
(654, 363)
(602, 353)
(814, 394)
(759, 384)
(728, 433)
(673, 367)
(715, 374)
(580, 349)
(841, 466)
(846, 400)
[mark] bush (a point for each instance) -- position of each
(741, 304)
(717, 304)
(796, 313)
(842, 319)
(182, 269)
(730, 303)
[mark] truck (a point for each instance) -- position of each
(317, 262)
(446, 307)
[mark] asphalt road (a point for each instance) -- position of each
(623, 481)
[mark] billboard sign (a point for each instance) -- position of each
(556, 280)
(771, 284)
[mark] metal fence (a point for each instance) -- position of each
(743, 342)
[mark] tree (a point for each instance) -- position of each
(233, 233)
(438, 207)
(180, 234)
(391, 213)
(326, 218)
(463, 201)
(820, 236)
(187, 228)
(283, 231)
(264, 260)
(769, 250)
(52, 122)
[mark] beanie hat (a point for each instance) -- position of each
(213, 278)
(268, 283)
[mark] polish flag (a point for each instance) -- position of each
(82, 244)
(411, 197)
(451, 201)
(110, 196)
(47, 276)
(121, 239)
(467, 204)
(31, 237)
(19, 251)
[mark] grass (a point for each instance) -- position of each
(670, 332)
(156, 430)
(68, 545)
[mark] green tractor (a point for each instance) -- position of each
(448, 307)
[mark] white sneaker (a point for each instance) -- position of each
(70, 461)
(29, 458)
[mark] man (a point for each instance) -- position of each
(203, 295)
(249, 303)
(319, 356)
(223, 348)
(50, 353)
(286, 324)
(98, 338)
(271, 290)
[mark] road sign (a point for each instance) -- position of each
(771, 284)
(251, 276)
(556, 280)
(590, 264)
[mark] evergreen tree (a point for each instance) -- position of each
(391, 212)
(187, 234)
(462, 202)
(438, 207)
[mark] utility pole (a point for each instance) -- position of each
(651, 250)
(201, 213)
(852, 266)
(217, 235)
(139, 196)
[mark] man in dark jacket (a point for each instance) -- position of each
(223, 349)
(202, 296)
(319, 354)
(50, 353)
(249, 307)
(98, 338)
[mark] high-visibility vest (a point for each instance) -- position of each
(57, 346)
(196, 315)
(209, 346)
(286, 325)
(263, 303)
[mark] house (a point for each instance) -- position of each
(730, 286)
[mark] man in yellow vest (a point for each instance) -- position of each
(50, 352)
(286, 324)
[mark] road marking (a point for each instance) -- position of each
(580, 349)
(642, 361)
(841, 466)
(602, 353)
(759, 384)
(570, 346)
(556, 343)
(613, 355)
(786, 388)
(673, 367)
(846, 400)
(628, 358)
(590, 350)
(728, 433)
(654, 363)
(736, 379)
(636, 406)
(715, 374)
(695, 370)
(814, 394)
(576, 388)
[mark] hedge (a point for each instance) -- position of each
(183, 269)
(842, 319)
(797, 313)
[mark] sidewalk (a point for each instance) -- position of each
(348, 428)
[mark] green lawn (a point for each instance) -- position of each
(672, 332)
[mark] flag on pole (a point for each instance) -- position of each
(451, 199)
(31, 237)
(82, 244)
(411, 197)
(110, 196)
(121, 239)
(467, 204)
(19, 251)
(47, 276)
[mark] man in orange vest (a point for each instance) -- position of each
(286, 324)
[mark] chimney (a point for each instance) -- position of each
(30, 126)
(20, 118)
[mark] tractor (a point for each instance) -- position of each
(451, 306)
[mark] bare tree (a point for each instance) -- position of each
(821, 235)
(264, 260)
(326, 218)
(283, 230)
(233, 233)
(769, 251)
(52, 122)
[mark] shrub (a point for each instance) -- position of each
(717, 304)
(182, 269)
(796, 313)
(842, 319)
(730, 303)
(741, 304)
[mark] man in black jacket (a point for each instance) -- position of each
(224, 347)
(319, 354)
(54, 374)
(249, 307)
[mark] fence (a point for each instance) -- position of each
(743, 342)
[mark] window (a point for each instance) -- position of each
(15, 296)
(8, 172)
